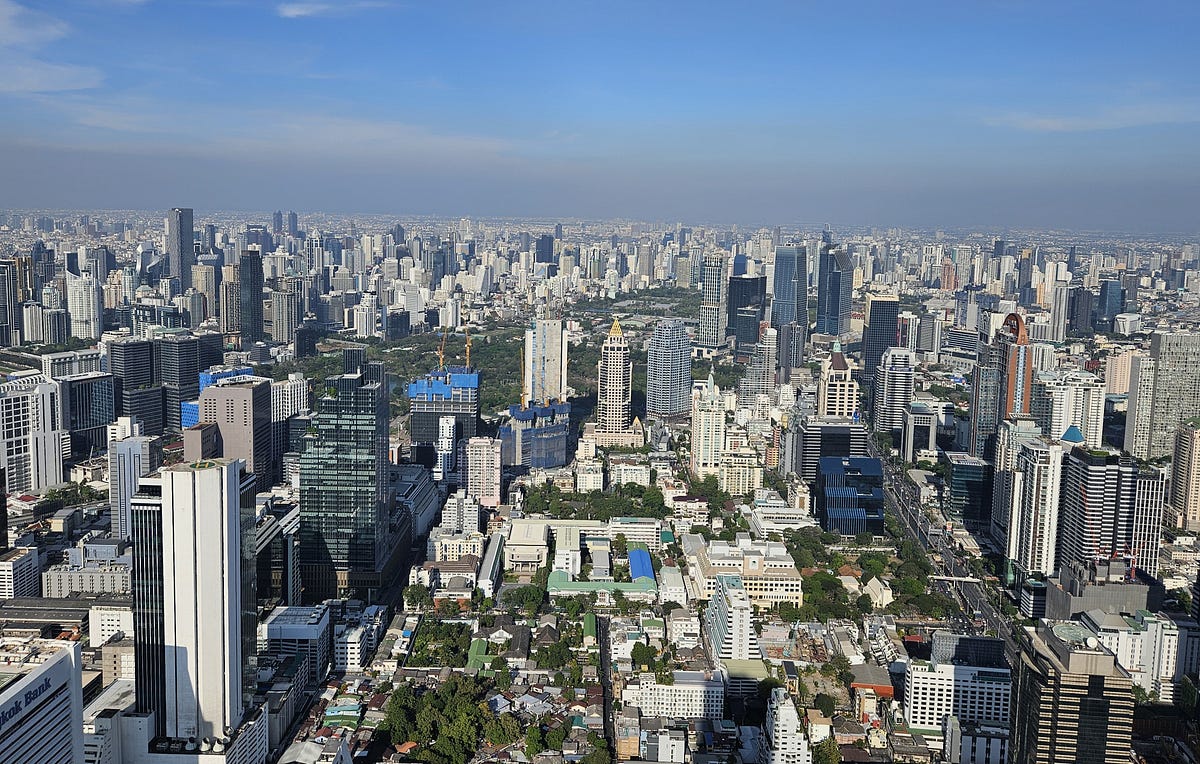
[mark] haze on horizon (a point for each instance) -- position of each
(1007, 114)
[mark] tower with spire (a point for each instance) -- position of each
(615, 423)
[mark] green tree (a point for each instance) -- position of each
(620, 545)
(825, 703)
(827, 752)
(644, 655)
(534, 744)
(864, 604)
(416, 596)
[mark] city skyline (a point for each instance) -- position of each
(926, 116)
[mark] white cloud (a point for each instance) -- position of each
(1112, 118)
(299, 10)
(23, 32)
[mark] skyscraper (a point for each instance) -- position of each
(483, 470)
(789, 301)
(178, 365)
(894, 384)
(545, 370)
(1036, 507)
(347, 541)
(32, 436)
(614, 390)
(880, 330)
(668, 370)
(783, 740)
(708, 429)
(837, 392)
(84, 306)
(180, 246)
(1072, 702)
(1185, 476)
(1164, 390)
(250, 291)
(241, 409)
(1110, 508)
(1000, 386)
(745, 305)
(759, 378)
(452, 391)
(137, 387)
(1064, 399)
(713, 312)
(835, 282)
(194, 599)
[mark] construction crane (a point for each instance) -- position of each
(467, 331)
(442, 352)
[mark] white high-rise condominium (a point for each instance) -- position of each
(1164, 390)
(708, 429)
(759, 378)
(783, 740)
(837, 392)
(1185, 476)
(1061, 400)
(967, 677)
(668, 369)
(1007, 481)
(32, 436)
(1037, 506)
(129, 460)
(729, 622)
(194, 598)
(483, 470)
(614, 396)
(894, 384)
(85, 306)
(545, 370)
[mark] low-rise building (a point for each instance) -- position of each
(691, 695)
(767, 570)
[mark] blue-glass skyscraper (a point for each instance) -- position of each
(790, 286)
(668, 370)
(833, 291)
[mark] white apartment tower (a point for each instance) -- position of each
(1061, 400)
(1185, 476)
(894, 384)
(837, 392)
(729, 622)
(708, 429)
(783, 740)
(483, 470)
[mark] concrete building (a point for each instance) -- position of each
(837, 392)
(20, 573)
(483, 470)
(1065, 399)
(33, 436)
(729, 622)
(1071, 700)
(783, 740)
(668, 370)
(615, 423)
(241, 409)
(766, 570)
(690, 695)
(1164, 391)
(304, 631)
(708, 429)
(967, 677)
(894, 384)
(1185, 476)
(41, 701)
(545, 368)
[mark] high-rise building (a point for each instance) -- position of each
(194, 603)
(895, 376)
(180, 245)
(835, 283)
(1036, 506)
(137, 387)
(229, 300)
(85, 306)
(10, 305)
(32, 434)
(668, 369)
(130, 459)
(250, 294)
(285, 316)
(1072, 702)
(483, 470)
(545, 370)
(713, 311)
(177, 357)
(348, 543)
(1000, 385)
(850, 497)
(1164, 390)
(1185, 476)
(241, 409)
(1065, 399)
(968, 490)
(451, 391)
(1110, 508)
(41, 702)
(759, 378)
(708, 429)
(729, 622)
(967, 677)
(837, 392)
(791, 349)
(614, 388)
(783, 740)
(745, 307)
(881, 328)
(789, 300)
(87, 409)
(1007, 479)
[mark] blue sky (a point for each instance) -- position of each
(1003, 113)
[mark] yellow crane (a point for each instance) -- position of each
(467, 331)
(442, 352)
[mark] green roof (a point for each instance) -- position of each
(589, 624)
(558, 583)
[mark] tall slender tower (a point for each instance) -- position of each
(614, 396)
(789, 301)
(713, 312)
(250, 290)
(708, 429)
(1001, 384)
(545, 377)
(668, 369)
(194, 598)
(1185, 476)
(181, 249)
(880, 331)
